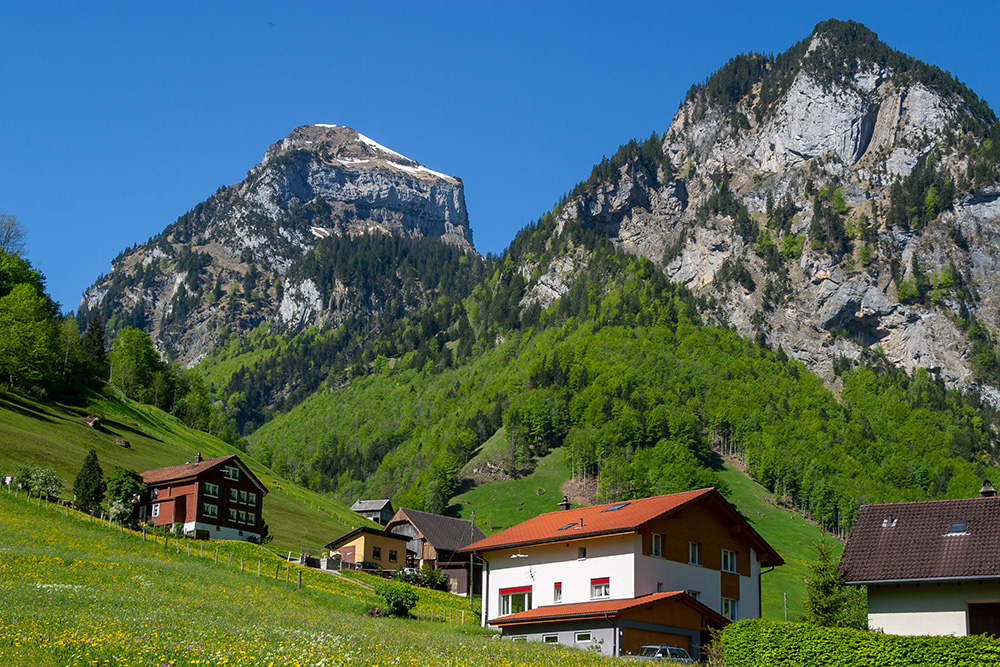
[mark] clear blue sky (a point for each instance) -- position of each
(118, 117)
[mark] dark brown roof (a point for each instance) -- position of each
(608, 608)
(931, 540)
(622, 517)
(445, 533)
(190, 470)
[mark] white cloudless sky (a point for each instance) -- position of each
(118, 117)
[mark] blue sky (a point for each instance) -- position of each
(118, 117)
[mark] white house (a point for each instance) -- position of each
(655, 570)
(931, 568)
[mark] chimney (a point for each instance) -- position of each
(564, 505)
(987, 491)
(197, 457)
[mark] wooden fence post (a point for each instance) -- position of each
(230, 564)
(277, 567)
(298, 583)
(241, 563)
(286, 574)
(216, 555)
(258, 568)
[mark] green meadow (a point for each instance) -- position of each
(54, 434)
(76, 592)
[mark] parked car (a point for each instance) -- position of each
(369, 566)
(671, 655)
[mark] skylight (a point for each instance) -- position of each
(568, 526)
(614, 507)
(958, 527)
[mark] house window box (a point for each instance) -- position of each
(728, 561)
(600, 588)
(514, 600)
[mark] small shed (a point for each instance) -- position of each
(379, 511)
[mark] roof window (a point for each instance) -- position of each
(613, 508)
(958, 527)
(568, 526)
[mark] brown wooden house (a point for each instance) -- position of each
(435, 540)
(218, 498)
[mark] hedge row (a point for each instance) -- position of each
(760, 643)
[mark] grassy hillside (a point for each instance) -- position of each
(76, 593)
(54, 434)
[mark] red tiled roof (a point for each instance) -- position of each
(183, 471)
(562, 612)
(598, 520)
(895, 542)
(191, 470)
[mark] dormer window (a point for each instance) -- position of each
(889, 521)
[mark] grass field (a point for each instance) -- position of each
(54, 434)
(74, 592)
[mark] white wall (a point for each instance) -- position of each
(928, 608)
(544, 565)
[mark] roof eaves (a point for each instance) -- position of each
(552, 539)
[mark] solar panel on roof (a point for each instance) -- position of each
(613, 507)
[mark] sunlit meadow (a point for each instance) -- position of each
(75, 592)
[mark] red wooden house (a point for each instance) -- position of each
(219, 498)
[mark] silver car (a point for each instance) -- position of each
(665, 652)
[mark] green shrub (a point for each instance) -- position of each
(760, 643)
(399, 598)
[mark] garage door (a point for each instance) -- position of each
(633, 638)
(984, 618)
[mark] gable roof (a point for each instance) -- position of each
(363, 530)
(612, 518)
(445, 533)
(898, 542)
(608, 608)
(370, 505)
(189, 471)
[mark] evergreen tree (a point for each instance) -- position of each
(94, 347)
(89, 485)
(829, 602)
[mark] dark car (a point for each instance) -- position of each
(368, 566)
(669, 654)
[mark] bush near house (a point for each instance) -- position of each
(760, 643)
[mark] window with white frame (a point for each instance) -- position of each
(694, 553)
(519, 638)
(252, 498)
(657, 545)
(243, 516)
(550, 639)
(211, 490)
(583, 637)
(557, 592)
(208, 509)
(600, 587)
(234, 495)
(243, 497)
(231, 472)
(514, 600)
(731, 609)
(156, 510)
(581, 553)
(695, 594)
(231, 514)
(728, 561)
(251, 518)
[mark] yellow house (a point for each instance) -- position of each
(371, 546)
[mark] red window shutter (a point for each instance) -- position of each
(516, 589)
(602, 580)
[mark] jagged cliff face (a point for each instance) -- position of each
(222, 267)
(780, 279)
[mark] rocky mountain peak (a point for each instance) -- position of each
(225, 264)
